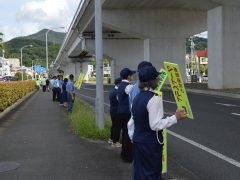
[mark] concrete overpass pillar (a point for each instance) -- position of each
(77, 69)
(84, 70)
(69, 68)
(146, 49)
(124, 52)
(168, 49)
(112, 65)
(224, 46)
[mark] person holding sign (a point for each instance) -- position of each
(135, 89)
(147, 115)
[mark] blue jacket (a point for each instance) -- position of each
(133, 93)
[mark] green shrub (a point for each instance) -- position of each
(84, 124)
(11, 91)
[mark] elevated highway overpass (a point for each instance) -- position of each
(156, 30)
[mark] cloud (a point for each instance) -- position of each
(45, 12)
(29, 16)
(15, 31)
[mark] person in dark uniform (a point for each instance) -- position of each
(124, 112)
(116, 126)
(64, 92)
(148, 120)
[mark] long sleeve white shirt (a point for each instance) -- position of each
(155, 114)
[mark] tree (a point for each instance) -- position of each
(19, 76)
(93, 62)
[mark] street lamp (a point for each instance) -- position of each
(47, 44)
(21, 57)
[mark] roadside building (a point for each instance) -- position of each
(4, 67)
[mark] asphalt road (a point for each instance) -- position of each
(207, 146)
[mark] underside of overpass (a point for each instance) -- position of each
(155, 30)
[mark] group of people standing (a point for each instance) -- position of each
(137, 111)
(63, 91)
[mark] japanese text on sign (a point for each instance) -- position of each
(178, 88)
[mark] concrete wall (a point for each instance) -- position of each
(224, 45)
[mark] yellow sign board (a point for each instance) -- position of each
(163, 77)
(78, 83)
(179, 92)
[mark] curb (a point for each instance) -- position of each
(209, 92)
(16, 104)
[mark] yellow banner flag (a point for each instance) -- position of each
(164, 152)
(78, 83)
(163, 77)
(179, 92)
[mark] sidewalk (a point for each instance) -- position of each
(37, 136)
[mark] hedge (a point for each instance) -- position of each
(11, 91)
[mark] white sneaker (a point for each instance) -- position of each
(110, 142)
(117, 145)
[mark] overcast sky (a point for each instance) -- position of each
(24, 17)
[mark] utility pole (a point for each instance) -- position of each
(99, 65)
(192, 53)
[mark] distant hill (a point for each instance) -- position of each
(54, 37)
(38, 51)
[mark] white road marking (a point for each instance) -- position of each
(86, 96)
(235, 114)
(204, 148)
(171, 102)
(227, 105)
(90, 89)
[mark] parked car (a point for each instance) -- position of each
(10, 78)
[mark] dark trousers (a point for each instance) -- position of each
(44, 88)
(54, 90)
(126, 153)
(56, 93)
(61, 98)
(147, 161)
(70, 103)
(115, 128)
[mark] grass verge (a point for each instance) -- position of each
(83, 122)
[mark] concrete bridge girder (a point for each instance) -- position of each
(156, 23)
